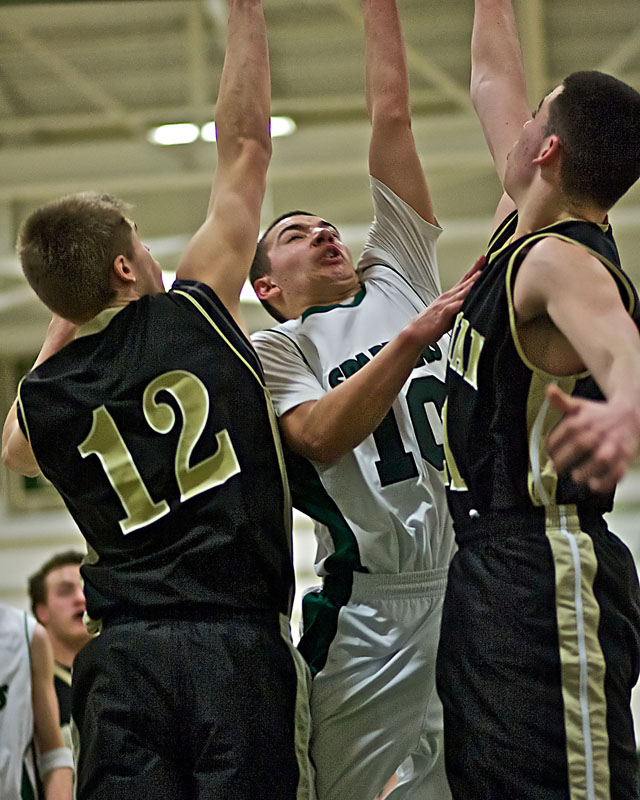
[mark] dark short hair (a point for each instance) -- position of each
(37, 586)
(597, 119)
(261, 264)
(67, 248)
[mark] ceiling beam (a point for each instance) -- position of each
(416, 61)
(70, 75)
(195, 43)
(531, 25)
(319, 105)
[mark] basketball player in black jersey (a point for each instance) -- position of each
(540, 633)
(154, 425)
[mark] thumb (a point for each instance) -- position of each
(559, 400)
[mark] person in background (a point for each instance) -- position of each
(58, 603)
(29, 713)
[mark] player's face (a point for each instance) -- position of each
(65, 606)
(520, 168)
(304, 249)
(148, 271)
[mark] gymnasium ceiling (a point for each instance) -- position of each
(81, 83)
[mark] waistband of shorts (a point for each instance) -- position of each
(196, 614)
(533, 521)
(377, 586)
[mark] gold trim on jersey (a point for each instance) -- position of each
(62, 672)
(92, 625)
(512, 311)
(542, 478)
(220, 333)
(22, 411)
(275, 431)
(99, 322)
(581, 658)
(453, 480)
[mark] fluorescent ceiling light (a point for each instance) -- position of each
(282, 126)
(175, 133)
(187, 132)
(208, 131)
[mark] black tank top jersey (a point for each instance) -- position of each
(496, 420)
(158, 432)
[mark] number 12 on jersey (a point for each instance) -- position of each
(105, 441)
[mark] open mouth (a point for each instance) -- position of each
(331, 253)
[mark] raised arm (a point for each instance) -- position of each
(55, 762)
(498, 89)
(221, 251)
(393, 158)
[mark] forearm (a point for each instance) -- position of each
(393, 157)
(387, 81)
(495, 45)
(498, 88)
(58, 784)
(243, 106)
(616, 368)
(348, 413)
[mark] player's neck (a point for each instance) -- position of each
(329, 294)
(543, 207)
(63, 653)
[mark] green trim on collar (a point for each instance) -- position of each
(355, 301)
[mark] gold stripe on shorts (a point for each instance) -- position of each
(581, 657)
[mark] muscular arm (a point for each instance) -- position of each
(221, 251)
(325, 429)
(46, 716)
(393, 158)
(498, 89)
(570, 316)
(17, 454)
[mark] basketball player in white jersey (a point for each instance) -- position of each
(29, 711)
(358, 384)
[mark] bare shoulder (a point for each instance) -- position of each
(557, 271)
(554, 262)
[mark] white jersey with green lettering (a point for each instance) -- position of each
(16, 712)
(382, 507)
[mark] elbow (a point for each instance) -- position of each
(478, 86)
(392, 113)
(252, 149)
(14, 462)
(321, 449)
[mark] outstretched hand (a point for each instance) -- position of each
(595, 441)
(439, 317)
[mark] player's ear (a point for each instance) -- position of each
(42, 613)
(123, 270)
(266, 289)
(549, 152)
